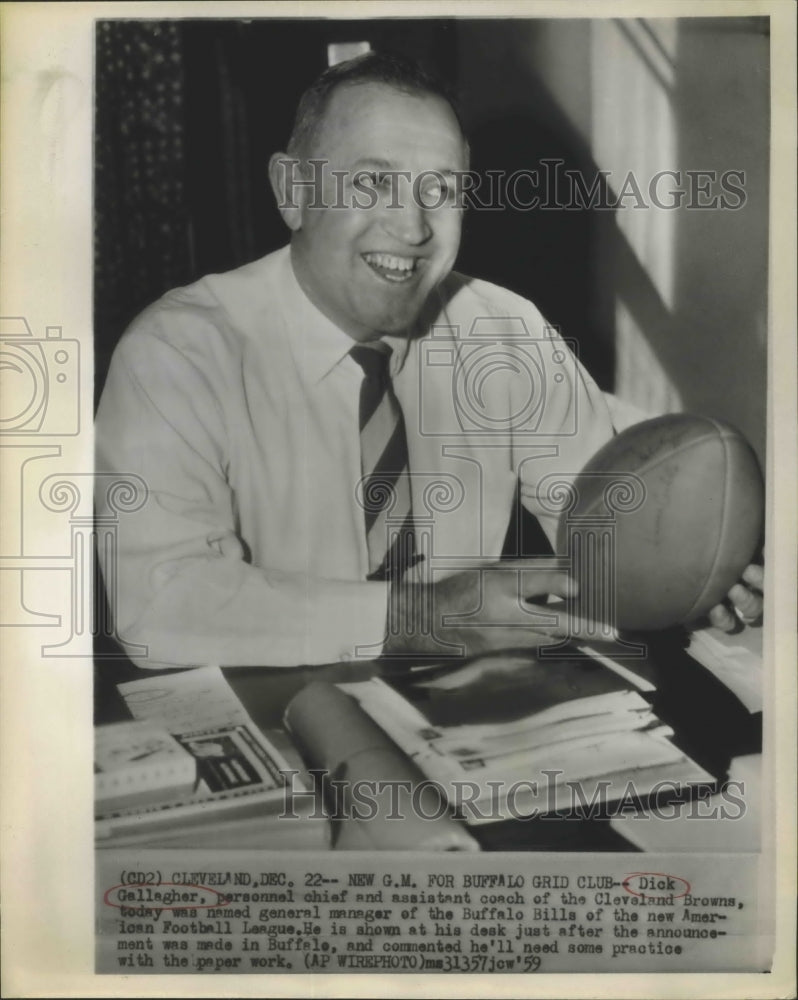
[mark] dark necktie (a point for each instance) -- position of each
(384, 491)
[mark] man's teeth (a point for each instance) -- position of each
(390, 261)
(401, 267)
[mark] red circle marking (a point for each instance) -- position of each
(655, 895)
(220, 901)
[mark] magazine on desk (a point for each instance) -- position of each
(137, 140)
(244, 786)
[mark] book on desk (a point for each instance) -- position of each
(247, 788)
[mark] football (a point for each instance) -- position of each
(662, 521)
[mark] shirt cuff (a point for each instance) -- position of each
(350, 624)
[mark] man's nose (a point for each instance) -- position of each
(408, 222)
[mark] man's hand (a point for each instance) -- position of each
(745, 599)
(480, 610)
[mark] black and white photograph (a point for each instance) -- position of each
(403, 532)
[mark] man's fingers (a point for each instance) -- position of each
(547, 619)
(537, 582)
(537, 563)
(722, 618)
(572, 626)
(754, 576)
(748, 604)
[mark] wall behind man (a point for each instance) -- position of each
(667, 309)
(187, 114)
(669, 306)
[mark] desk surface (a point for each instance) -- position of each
(710, 724)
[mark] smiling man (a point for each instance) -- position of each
(371, 261)
(333, 437)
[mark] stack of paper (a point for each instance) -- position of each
(571, 733)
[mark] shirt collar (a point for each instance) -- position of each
(317, 344)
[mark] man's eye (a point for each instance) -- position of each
(377, 179)
(371, 180)
(436, 193)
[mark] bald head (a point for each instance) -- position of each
(380, 68)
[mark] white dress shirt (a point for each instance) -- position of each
(236, 402)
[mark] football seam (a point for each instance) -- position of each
(721, 534)
(725, 436)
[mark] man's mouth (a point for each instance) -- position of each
(390, 266)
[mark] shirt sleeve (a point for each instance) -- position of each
(575, 422)
(178, 597)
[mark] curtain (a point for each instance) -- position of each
(142, 230)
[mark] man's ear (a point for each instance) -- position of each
(283, 170)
